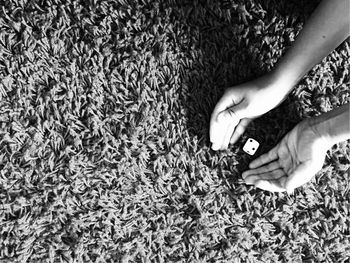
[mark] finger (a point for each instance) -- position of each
(301, 175)
(265, 158)
(218, 130)
(273, 175)
(282, 181)
(263, 169)
(270, 185)
(215, 130)
(223, 104)
(240, 129)
(224, 123)
(233, 121)
(219, 120)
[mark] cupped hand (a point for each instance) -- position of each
(291, 163)
(239, 105)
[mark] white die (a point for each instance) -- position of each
(251, 146)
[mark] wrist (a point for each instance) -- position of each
(282, 82)
(333, 127)
(320, 128)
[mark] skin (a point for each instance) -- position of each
(327, 27)
(300, 154)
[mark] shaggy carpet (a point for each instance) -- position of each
(104, 149)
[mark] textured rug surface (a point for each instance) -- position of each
(104, 149)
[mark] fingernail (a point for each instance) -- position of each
(215, 147)
(288, 188)
(250, 165)
(249, 181)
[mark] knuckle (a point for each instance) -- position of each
(231, 113)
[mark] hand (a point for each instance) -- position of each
(240, 104)
(292, 163)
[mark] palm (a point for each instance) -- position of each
(295, 149)
(294, 160)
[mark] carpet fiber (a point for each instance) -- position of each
(104, 149)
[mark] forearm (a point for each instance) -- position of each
(334, 126)
(327, 27)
